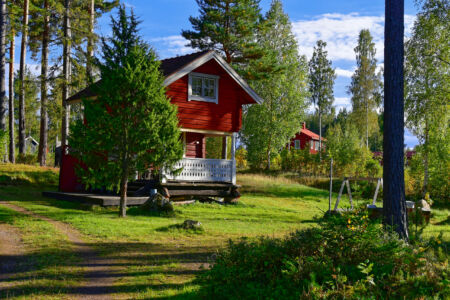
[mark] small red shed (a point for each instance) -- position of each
(306, 138)
(209, 95)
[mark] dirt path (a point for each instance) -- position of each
(100, 273)
(11, 250)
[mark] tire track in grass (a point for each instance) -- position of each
(100, 273)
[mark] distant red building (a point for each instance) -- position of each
(306, 138)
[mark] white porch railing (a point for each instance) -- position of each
(202, 170)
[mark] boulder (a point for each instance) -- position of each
(191, 224)
(423, 204)
(158, 202)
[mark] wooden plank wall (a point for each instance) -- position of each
(224, 116)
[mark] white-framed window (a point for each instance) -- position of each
(317, 145)
(203, 87)
(311, 142)
(297, 144)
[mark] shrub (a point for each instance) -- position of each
(346, 256)
(27, 159)
(241, 158)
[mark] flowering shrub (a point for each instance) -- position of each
(346, 256)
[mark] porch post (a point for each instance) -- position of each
(224, 147)
(233, 158)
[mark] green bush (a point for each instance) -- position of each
(27, 159)
(346, 256)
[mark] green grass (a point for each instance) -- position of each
(162, 260)
(47, 265)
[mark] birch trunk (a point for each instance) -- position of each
(66, 73)
(90, 42)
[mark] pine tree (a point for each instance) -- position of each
(23, 51)
(268, 127)
(321, 82)
(14, 22)
(394, 205)
(365, 86)
(132, 121)
(3, 69)
(229, 27)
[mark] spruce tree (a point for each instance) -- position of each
(131, 125)
(268, 127)
(321, 82)
(365, 86)
(229, 27)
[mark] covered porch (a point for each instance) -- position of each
(205, 159)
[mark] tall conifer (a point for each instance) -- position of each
(321, 83)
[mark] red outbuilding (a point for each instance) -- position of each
(209, 95)
(306, 138)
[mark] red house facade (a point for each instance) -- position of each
(306, 138)
(209, 95)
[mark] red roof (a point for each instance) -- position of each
(309, 133)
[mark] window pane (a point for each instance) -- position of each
(197, 86)
(209, 88)
(297, 144)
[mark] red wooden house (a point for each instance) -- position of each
(306, 138)
(209, 95)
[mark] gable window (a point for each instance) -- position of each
(203, 87)
(297, 144)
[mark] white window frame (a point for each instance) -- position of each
(311, 142)
(201, 98)
(297, 144)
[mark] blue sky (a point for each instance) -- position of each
(336, 22)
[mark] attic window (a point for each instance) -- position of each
(203, 87)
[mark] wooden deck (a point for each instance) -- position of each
(94, 199)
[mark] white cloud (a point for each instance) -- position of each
(342, 102)
(171, 45)
(344, 73)
(340, 31)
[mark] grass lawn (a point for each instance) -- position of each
(160, 260)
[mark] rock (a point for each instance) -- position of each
(158, 202)
(423, 205)
(191, 224)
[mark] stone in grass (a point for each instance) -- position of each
(191, 224)
(158, 202)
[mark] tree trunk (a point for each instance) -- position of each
(320, 136)
(90, 42)
(394, 206)
(3, 68)
(425, 159)
(12, 142)
(123, 191)
(23, 50)
(66, 73)
(367, 124)
(42, 154)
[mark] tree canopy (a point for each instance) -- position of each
(132, 125)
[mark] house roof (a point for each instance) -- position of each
(311, 134)
(176, 67)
